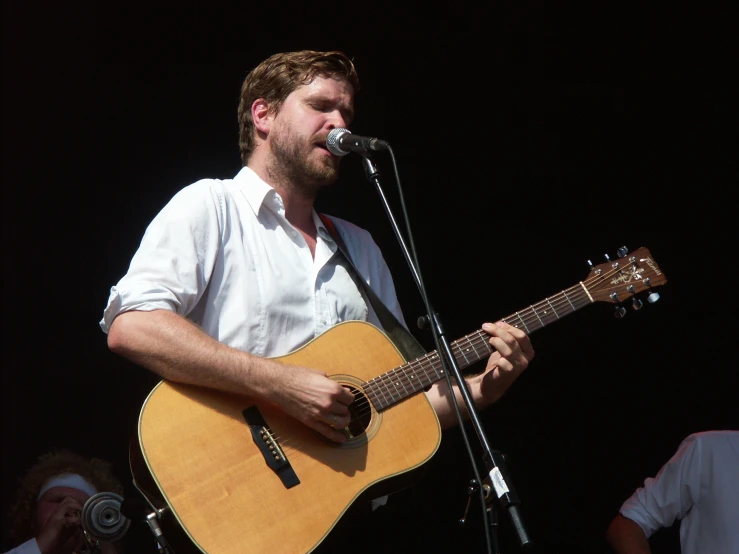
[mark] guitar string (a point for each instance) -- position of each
(435, 360)
(577, 299)
(578, 295)
(480, 339)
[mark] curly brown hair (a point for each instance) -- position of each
(278, 76)
(20, 515)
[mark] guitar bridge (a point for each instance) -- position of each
(270, 448)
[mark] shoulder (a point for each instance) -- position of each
(203, 188)
(204, 196)
(708, 439)
(701, 447)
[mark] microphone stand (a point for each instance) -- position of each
(494, 461)
(142, 509)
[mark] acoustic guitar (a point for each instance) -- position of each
(241, 477)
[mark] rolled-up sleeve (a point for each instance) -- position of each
(669, 495)
(172, 266)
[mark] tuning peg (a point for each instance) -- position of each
(595, 272)
(652, 298)
(636, 303)
(620, 312)
(621, 252)
(607, 257)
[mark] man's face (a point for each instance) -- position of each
(299, 131)
(49, 503)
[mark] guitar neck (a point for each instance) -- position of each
(404, 381)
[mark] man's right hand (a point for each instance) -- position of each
(319, 402)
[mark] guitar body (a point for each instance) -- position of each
(201, 453)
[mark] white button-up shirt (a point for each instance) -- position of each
(28, 547)
(699, 486)
(222, 254)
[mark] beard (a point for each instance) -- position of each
(294, 167)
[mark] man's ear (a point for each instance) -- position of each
(261, 115)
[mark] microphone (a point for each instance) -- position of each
(101, 517)
(340, 142)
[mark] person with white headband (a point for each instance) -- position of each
(45, 516)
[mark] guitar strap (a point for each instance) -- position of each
(401, 337)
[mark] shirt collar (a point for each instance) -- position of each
(256, 192)
(253, 188)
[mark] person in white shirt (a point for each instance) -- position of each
(699, 487)
(234, 272)
(45, 514)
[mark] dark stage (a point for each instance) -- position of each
(528, 141)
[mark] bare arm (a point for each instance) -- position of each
(177, 350)
(511, 356)
(626, 537)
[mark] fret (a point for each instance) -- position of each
(417, 385)
(388, 382)
(402, 368)
(394, 382)
(474, 348)
(550, 305)
(537, 315)
(564, 293)
(371, 395)
(483, 337)
(461, 349)
(522, 321)
(433, 365)
(425, 367)
(377, 388)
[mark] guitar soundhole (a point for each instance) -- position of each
(361, 412)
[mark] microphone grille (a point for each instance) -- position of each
(332, 141)
(102, 519)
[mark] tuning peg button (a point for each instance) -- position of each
(636, 303)
(652, 298)
(620, 312)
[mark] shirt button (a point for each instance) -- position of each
(294, 233)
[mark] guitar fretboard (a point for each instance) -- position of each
(410, 378)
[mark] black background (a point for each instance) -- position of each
(528, 141)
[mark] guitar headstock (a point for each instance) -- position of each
(616, 280)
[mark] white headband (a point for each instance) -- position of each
(71, 480)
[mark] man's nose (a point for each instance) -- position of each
(336, 120)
